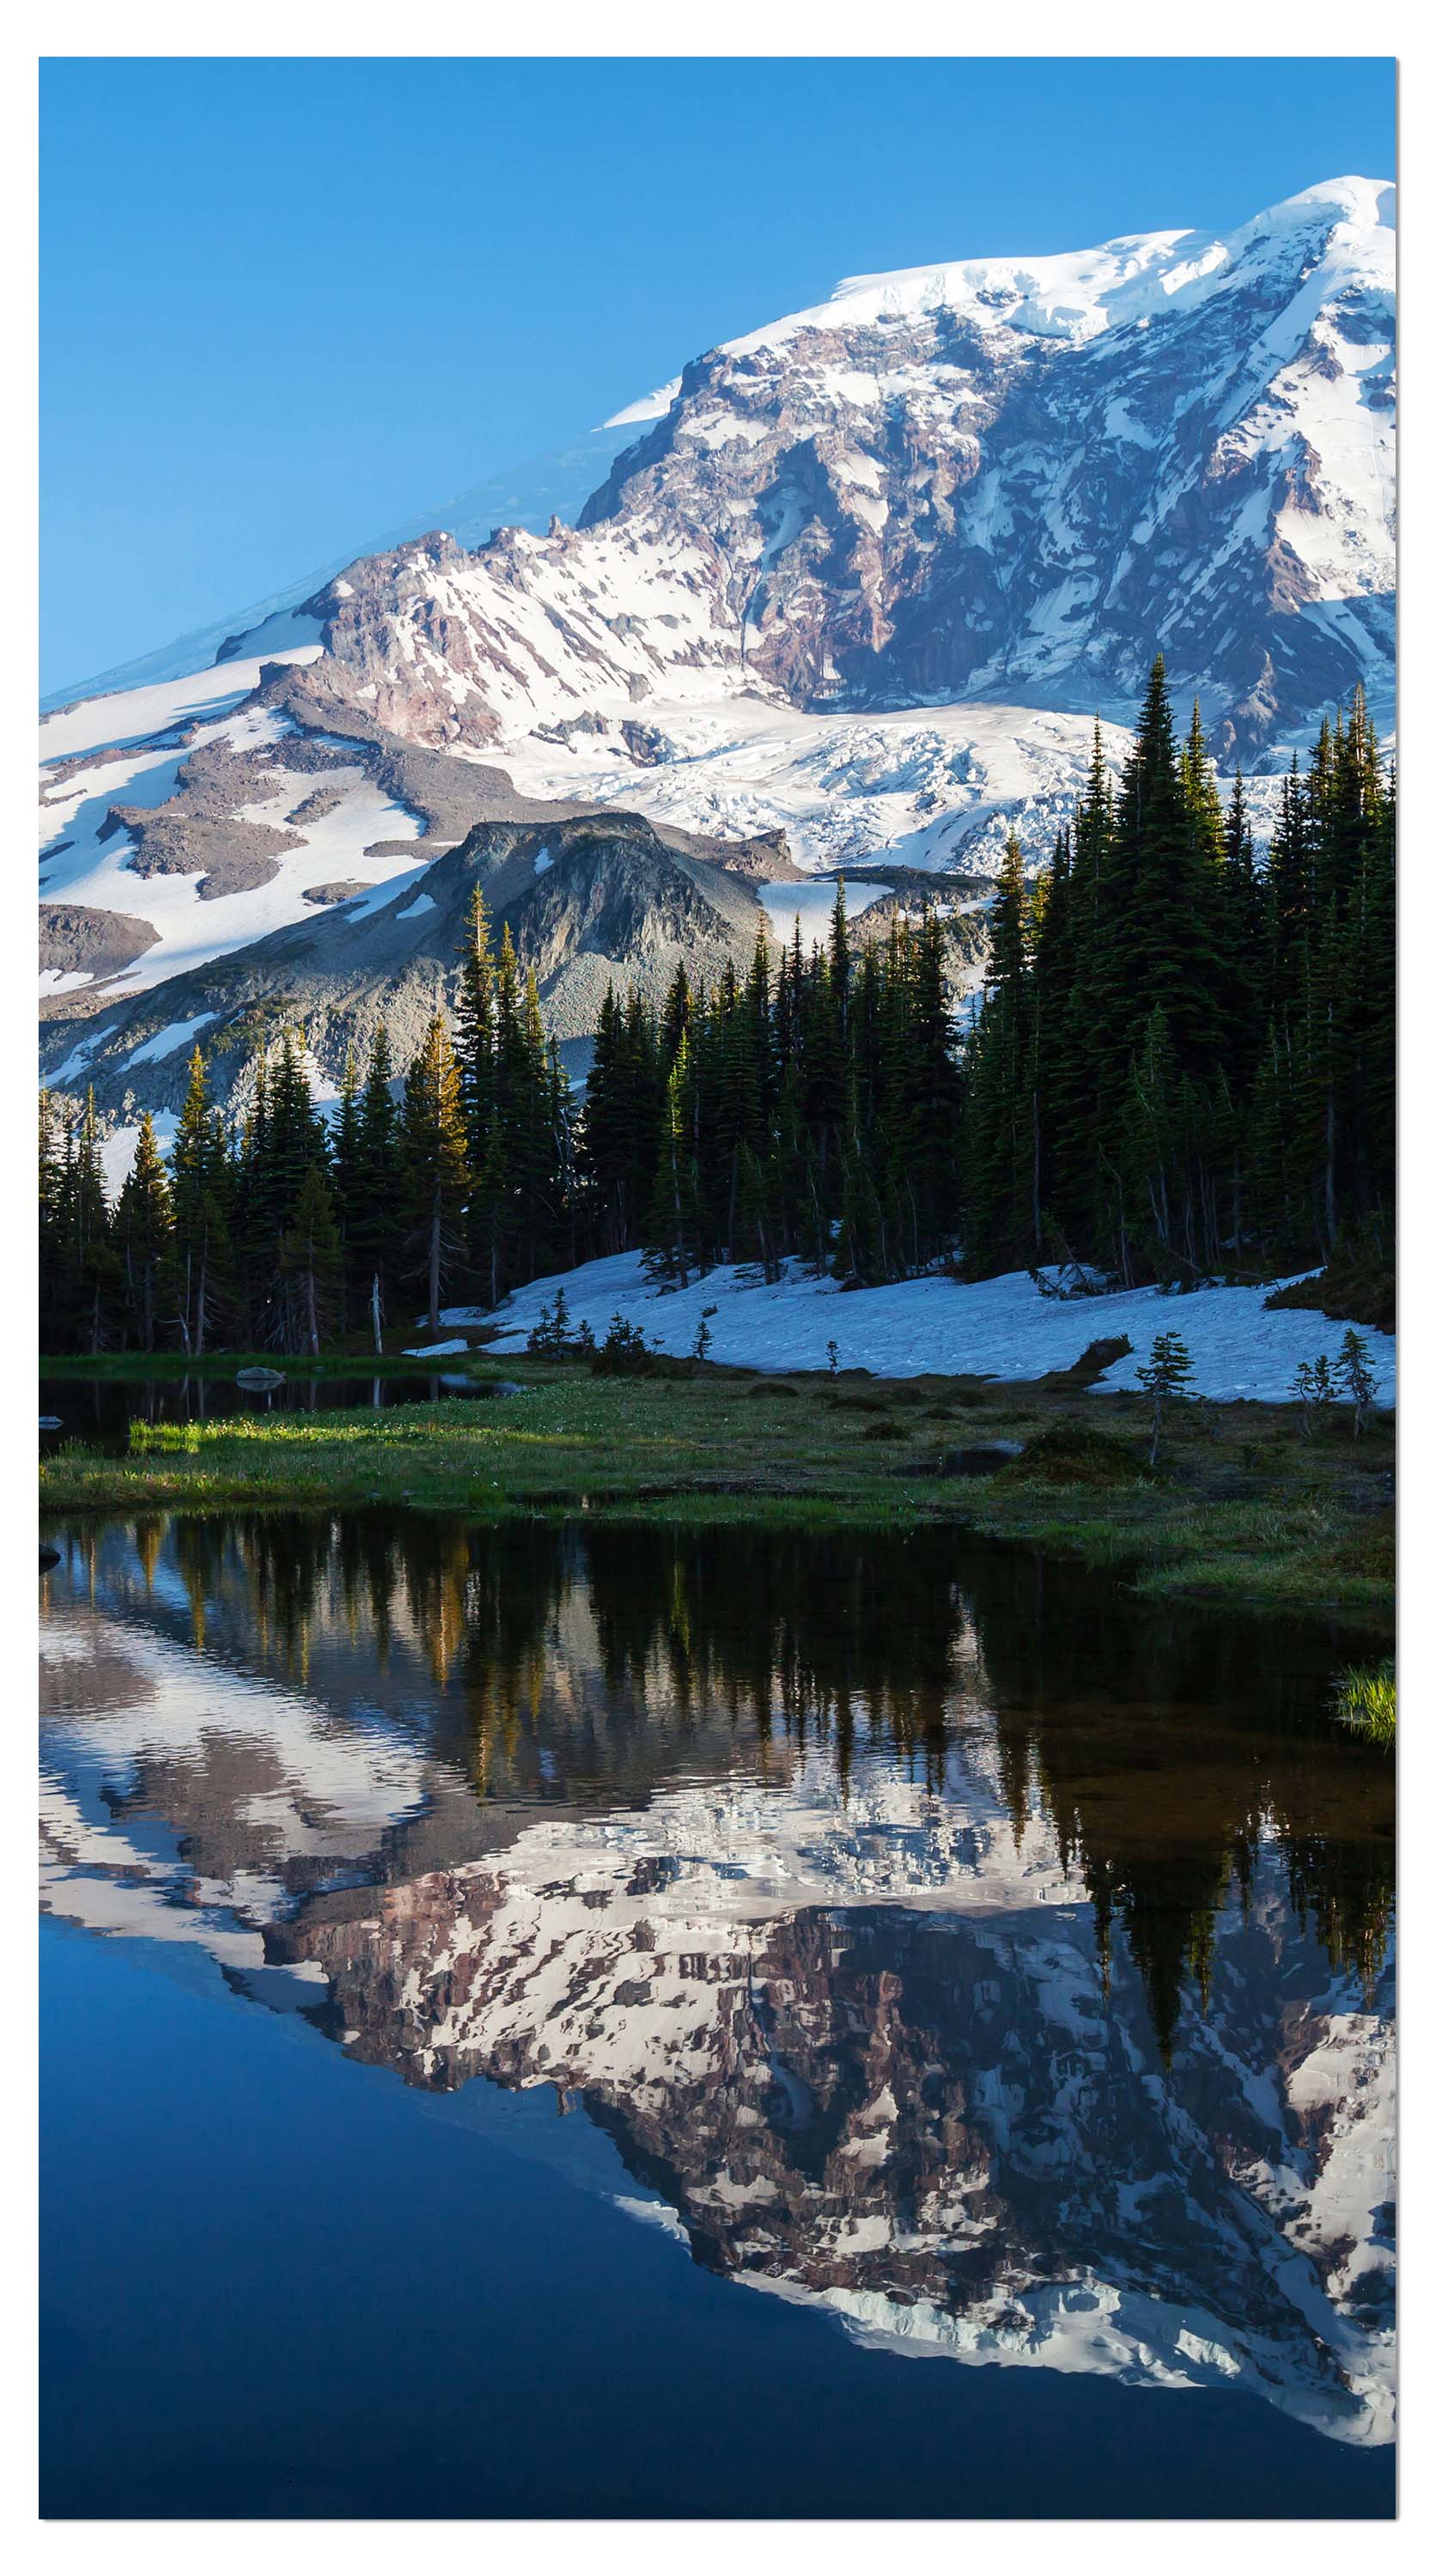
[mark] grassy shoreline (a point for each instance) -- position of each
(1241, 1511)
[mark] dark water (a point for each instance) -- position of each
(99, 1410)
(690, 2024)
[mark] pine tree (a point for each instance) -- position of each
(201, 1183)
(436, 1162)
(1164, 877)
(1354, 1375)
(1151, 1144)
(344, 1162)
(377, 1220)
(311, 1265)
(1166, 1376)
(1000, 1138)
(1242, 940)
(474, 1034)
(86, 1265)
(862, 1256)
(144, 1231)
(673, 1218)
(285, 1138)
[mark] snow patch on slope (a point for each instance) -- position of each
(94, 867)
(167, 1042)
(1002, 1328)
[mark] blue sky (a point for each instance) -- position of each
(288, 303)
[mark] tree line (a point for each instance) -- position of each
(286, 1228)
(1186, 1064)
(1181, 1064)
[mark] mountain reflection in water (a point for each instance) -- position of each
(941, 1936)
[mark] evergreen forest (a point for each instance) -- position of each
(1181, 1066)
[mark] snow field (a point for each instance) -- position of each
(131, 715)
(907, 787)
(98, 874)
(1001, 1328)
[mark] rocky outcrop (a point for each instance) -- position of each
(338, 890)
(602, 900)
(79, 940)
(203, 829)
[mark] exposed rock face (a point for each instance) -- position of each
(339, 890)
(313, 807)
(597, 901)
(996, 478)
(77, 940)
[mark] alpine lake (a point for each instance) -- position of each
(547, 2018)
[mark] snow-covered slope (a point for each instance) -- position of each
(1003, 1328)
(195, 909)
(554, 485)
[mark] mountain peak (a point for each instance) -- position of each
(1072, 295)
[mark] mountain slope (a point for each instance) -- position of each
(596, 900)
(554, 485)
(995, 478)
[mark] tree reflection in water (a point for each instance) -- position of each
(943, 1934)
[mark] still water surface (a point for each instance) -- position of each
(98, 1411)
(543, 2022)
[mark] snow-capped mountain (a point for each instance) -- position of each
(859, 581)
(996, 477)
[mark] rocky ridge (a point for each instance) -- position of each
(595, 901)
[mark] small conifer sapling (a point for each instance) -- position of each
(1166, 1377)
(1354, 1376)
(1314, 1388)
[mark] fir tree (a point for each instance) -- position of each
(1354, 1375)
(673, 1219)
(436, 1162)
(376, 1222)
(311, 1265)
(144, 1230)
(1166, 1376)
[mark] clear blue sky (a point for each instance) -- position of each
(287, 303)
